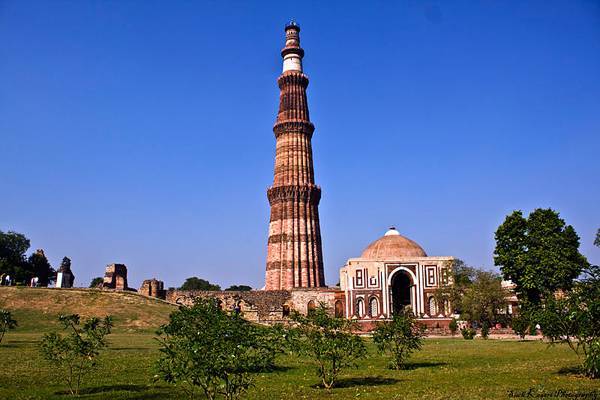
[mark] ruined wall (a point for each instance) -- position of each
(153, 288)
(115, 277)
(263, 306)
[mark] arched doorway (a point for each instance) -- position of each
(401, 285)
(339, 309)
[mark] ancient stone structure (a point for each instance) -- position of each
(115, 277)
(393, 273)
(294, 255)
(64, 275)
(262, 306)
(153, 288)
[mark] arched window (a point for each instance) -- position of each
(447, 307)
(339, 309)
(286, 310)
(373, 307)
(360, 307)
(310, 308)
(432, 307)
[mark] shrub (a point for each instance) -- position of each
(6, 323)
(203, 347)
(574, 319)
(453, 326)
(485, 330)
(330, 342)
(76, 353)
(468, 333)
(401, 336)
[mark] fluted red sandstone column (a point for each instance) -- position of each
(294, 254)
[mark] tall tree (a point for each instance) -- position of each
(41, 268)
(597, 240)
(539, 254)
(195, 283)
(13, 246)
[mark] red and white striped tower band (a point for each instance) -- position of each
(294, 253)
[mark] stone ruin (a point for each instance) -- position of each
(153, 288)
(115, 277)
(64, 275)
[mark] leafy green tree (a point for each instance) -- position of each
(539, 254)
(239, 288)
(484, 301)
(41, 268)
(13, 246)
(6, 323)
(329, 341)
(96, 281)
(204, 348)
(76, 353)
(400, 337)
(475, 294)
(195, 283)
(597, 240)
(573, 317)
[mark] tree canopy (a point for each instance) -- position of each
(14, 262)
(195, 283)
(239, 288)
(539, 254)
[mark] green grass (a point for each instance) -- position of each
(444, 369)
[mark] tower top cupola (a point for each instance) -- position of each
(292, 53)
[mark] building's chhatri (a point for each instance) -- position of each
(294, 255)
(391, 274)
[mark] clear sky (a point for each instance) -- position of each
(140, 132)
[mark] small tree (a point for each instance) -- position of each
(330, 342)
(574, 318)
(519, 325)
(76, 353)
(203, 347)
(6, 323)
(96, 281)
(453, 326)
(401, 336)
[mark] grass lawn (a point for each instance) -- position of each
(444, 369)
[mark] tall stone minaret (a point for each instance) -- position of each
(294, 254)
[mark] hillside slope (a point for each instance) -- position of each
(37, 309)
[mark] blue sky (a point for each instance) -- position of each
(140, 131)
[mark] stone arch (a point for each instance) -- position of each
(401, 283)
(339, 309)
(310, 307)
(360, 307)
(373, 307)
(432, 305)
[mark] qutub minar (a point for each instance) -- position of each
(294, 254)
(392, 273)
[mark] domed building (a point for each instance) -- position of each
(392, 274)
